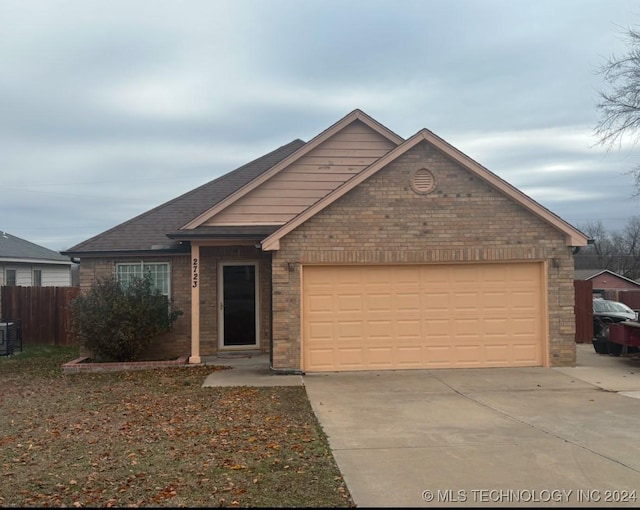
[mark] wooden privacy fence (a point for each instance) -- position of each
(45, 312)
(631, 298)
(584, 311)
(583, 308)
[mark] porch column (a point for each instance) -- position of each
(195, 303)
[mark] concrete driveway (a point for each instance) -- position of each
(486, 437)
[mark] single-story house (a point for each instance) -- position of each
(356, 250)
(604, 279)
(25, 264)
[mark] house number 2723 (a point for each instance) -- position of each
(195, 273)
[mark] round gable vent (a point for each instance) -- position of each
(423, 181)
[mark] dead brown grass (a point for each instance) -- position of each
(156, 438)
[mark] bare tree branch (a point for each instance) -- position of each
(619, 108)
(617, 251)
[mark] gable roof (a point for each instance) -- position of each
(355, 115)
(573, 236)
(149, 230)
(165, 228)
(589, 274)
(15, 249)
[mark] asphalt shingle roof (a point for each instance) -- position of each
(12, 247)
(150, 229)
(587, 274)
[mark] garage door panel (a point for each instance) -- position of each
(350, 302)
(353, 356)
(378, 302)
(409, 357)
(495, 353)
(466, 327)
(491, 275)
(408, 329)
(524, 354)
(380, 278)
(497, 326)
(465, 301)
(439, 356)
(466, 355)
(429, 316)
(380, 329)
(380, 358)
(524, 326)
(404, 276)
(429, 277)
(523, 301)
(464, 274)
(322, 358)
(407, 301)
(319, 331)
(350, 330)
(437, 328)
(320, 303)
(435, 299)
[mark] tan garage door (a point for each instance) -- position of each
(422, 316)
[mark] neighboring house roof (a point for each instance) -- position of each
(590, 274)
(15, 249)
(149, 230)
(355, 147)
(587, 274)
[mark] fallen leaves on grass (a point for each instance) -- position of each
(157, 438)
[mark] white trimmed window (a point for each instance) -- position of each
(37, 277)
(159, 272)
(11, 277)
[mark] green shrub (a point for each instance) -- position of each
(117, 323)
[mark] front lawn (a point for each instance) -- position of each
(156, 438)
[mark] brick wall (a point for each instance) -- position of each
(169, 345)
(210, 257)
(383, 221)
(178, 341)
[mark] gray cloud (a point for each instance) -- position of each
(111, 108)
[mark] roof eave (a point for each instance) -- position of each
(612, 273)
(26, 260)
(127, 253)
(188, 235)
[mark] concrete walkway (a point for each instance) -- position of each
(247, 370)
(619, 374)
(478, 437)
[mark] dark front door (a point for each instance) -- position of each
(239, 306)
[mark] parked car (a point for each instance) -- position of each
(613, 311)
(606, 312)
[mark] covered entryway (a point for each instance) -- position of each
(380, 317)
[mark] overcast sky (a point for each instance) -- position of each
(110, 108)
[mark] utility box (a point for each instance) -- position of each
(7, 338)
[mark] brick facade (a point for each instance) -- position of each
(210, 257)
(178, 341)
(383, 221)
